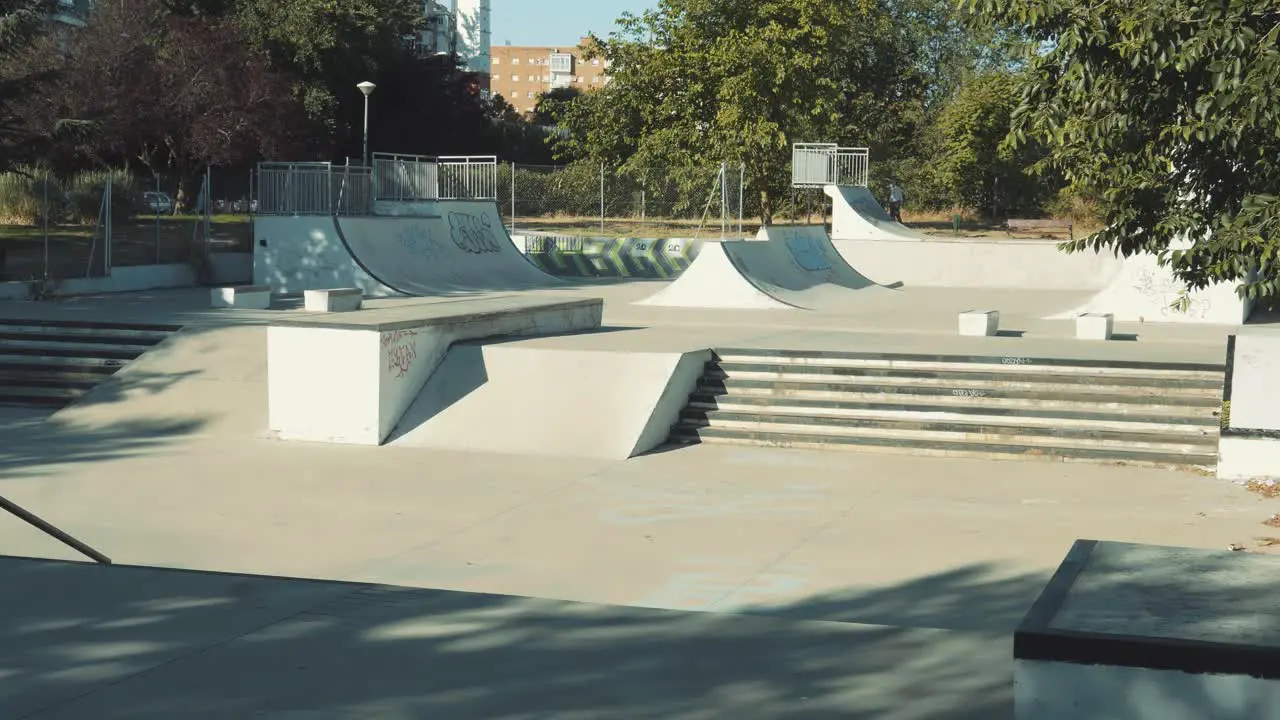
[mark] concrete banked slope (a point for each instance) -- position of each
(50, 363)
(786, 268)
(994, 407)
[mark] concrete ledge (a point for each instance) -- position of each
(250, 297)
(1094, 326)
(980, 322)
(1141, 632)
(350, 378)
(335, 300)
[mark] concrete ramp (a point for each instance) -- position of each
(856, 214)
(463, 249)
(1143, 291)
(786, 268)
(504, 397)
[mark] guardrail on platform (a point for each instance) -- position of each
(819, 164)
(312, 189)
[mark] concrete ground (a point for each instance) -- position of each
(710, 581)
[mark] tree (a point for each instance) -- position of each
(24, 133)
(699, 82)
(973, 162)
(172, 93)
(1167, 111)
(328, 47)
(553, 104)
(707, 81)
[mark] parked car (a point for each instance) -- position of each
(158, 203)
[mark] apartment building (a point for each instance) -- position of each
(519, 74)
(456, 27)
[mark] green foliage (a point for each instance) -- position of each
(1168, 112)
(330, 46)
(698, 82)
(978, 169)
(83, 194)
(553, 104)
(27, 191)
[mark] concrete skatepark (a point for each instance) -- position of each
(518, 530)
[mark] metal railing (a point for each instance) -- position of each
(468, 177)
(811, 164)
(852, 165)
(312, 189)
(405, 177)
(819, 164)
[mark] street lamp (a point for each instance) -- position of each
(366, 87)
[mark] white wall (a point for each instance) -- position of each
(1250, 445)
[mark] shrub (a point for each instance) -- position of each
(85, 190)
(23, 196)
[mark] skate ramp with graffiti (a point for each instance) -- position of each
(464, 249)
(786, 268)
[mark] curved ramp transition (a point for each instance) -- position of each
(465, 249)
(787, 268)
(856, 214)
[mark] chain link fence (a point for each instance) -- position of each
(80, 226)
(589, 199)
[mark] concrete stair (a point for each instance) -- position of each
(51, 363)
(1159, 414)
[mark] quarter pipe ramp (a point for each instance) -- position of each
(857, 215)
(784, 269)
(464, 249)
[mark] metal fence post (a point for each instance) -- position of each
(724, 199)
(513, 198)
(108, 236)
(156, 210)
(44, 221)
(742, 193)
(601, 198)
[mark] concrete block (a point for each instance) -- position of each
(979, 322)
(1142, 632)
(1094, 326)
(349, 378)
(246, 297)
(335, 300)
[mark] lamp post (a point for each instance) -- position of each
(366, 87)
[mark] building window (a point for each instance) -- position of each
(596, 62)
(515, 78)
(515, 61)
(497, 60)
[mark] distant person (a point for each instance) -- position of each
(896, 198)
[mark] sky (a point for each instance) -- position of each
(557, 22)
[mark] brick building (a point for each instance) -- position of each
(520, 74)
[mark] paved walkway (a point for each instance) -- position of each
(705, 582)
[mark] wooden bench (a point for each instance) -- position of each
(1014, 224)
(333, 300)
(250, 297)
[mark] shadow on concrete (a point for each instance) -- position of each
(81, 641)
(38, 448)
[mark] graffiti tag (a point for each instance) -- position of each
(401, 349)
(473, 234)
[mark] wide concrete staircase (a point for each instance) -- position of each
(1157, 414)
(51, 363)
